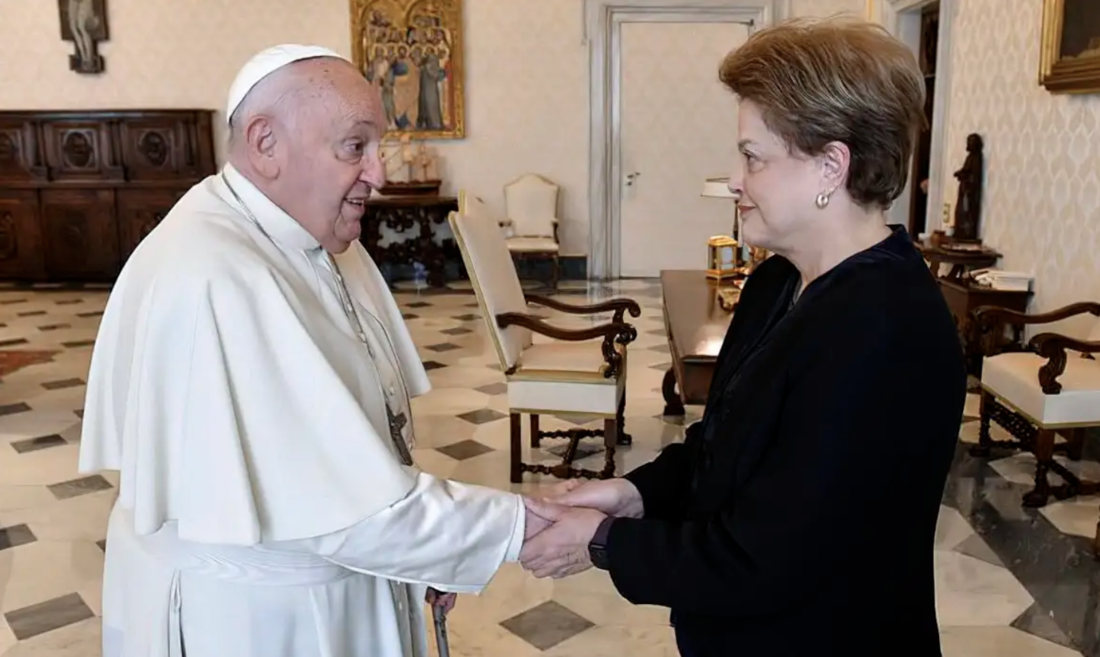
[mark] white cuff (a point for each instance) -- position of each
(518, 531)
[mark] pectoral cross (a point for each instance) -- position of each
(397, 424)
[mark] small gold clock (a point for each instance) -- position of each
(722, 258)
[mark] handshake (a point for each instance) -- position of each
(560, 523)
(563, 518)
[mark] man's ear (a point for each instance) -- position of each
(835, 159)
(261, 138)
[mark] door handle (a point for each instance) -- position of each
(630, 178)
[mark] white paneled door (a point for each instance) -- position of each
(678, 126)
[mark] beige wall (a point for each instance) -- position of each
(1042, 188)
(526, 99)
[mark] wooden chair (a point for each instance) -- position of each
(1051, 388)
(581, 373)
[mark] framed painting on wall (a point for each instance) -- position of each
(413, 49)
(1070, 49)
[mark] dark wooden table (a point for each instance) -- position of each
(696, 326)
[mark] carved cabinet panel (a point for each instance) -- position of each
(20, 159)
(163, 146)
(79, 149)
(139, 212)
(80, 233)
(21, 252)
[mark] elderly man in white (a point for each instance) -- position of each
(251, 383)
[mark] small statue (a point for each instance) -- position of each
(968, 207)
(424, 162)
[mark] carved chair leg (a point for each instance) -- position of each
(517, 449)
(610, 429)
(535, 431)
(982, 449)
(1044, 455)
(624, 438)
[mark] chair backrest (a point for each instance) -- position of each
(471, 205)
(531, 203)
(496, 284)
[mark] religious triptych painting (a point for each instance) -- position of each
(413, 50)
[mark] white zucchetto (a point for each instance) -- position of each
(267, 62)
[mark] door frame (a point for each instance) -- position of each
(603, 20)
(902, 19)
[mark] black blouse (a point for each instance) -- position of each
(799, 514)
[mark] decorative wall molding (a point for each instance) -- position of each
(602, 21)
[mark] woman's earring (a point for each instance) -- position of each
(822, 200)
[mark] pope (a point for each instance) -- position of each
(250, 382)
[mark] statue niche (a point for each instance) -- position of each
(968, 207)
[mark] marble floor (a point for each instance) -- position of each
(1010, 582)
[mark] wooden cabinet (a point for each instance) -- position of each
(80, 190)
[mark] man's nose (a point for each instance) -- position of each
(374, 171)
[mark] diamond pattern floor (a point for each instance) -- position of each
(52, 520)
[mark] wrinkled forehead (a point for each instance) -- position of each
(340, 95)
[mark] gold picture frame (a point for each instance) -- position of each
(1069, 59)
(397, 42)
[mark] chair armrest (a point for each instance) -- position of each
(612, 333)
(1053, 346)
(618, 306)
(989, 316)
(989, 323)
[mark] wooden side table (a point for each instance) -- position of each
(960, 261)
(962, 298)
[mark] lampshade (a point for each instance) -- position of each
(718, 188)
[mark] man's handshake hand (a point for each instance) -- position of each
(564, 518)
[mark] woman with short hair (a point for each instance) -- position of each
(798, 517)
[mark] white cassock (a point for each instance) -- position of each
(264, 509)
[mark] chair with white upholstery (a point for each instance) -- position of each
(531, 220)
(1051, 388)
(580, 373)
